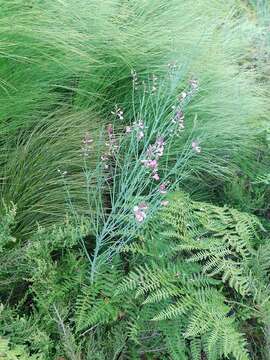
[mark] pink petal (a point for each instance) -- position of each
(143, 206)
(162, 189)
(153, 164)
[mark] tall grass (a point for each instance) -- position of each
(79, 55)
(35, 162)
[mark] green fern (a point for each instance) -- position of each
(207, 252)
(95, 304)
(17, 352)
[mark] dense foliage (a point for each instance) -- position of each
(134, 179)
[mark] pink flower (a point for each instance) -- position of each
(159, 146)
(139, 212)
(179, 115)
(162, 188)
(138, 127)
(164, 203)
(156, 150)
(153, 153)
(179, 119)
(153, 164)
(160, 141)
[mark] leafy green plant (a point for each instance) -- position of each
(192, 248)
(16, 353)
(193, 283)
(194, 272)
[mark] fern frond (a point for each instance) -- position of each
(175, 310)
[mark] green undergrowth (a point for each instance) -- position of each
(194, 283)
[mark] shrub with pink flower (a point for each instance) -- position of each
(153, 154)
(179, 118)
(138, 127)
